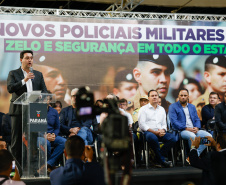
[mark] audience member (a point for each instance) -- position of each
(143, 101)
(76, 171)
(152, 121)
(123, 112)
(99, 103)
(6, 128)
(183, 117)
(72, 125)
(18, 170)
(208, 110)
(214, 163)
(160, 101)
(53, 140)
(220, 115)
(58, 106)
(123, 103)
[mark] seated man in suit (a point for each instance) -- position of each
(75, 170)
(220, 115)
(208, 110)
(70, 124)
(214, 163)
(183, 117)
(53, 139)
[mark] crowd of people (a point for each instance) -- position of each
(148, 112)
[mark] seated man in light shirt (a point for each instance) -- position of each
(152, 121)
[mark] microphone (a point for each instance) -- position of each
(31, 71)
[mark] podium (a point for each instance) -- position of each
(34, 129)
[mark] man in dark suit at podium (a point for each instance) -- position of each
(21, 80)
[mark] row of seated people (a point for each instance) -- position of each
(154, 127)
(182, 116)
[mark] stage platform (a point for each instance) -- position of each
(160, 176)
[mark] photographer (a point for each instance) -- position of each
(6, 160)
(18, 170)
(213, 163)
(75, 170)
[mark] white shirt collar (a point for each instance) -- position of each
(150, 106)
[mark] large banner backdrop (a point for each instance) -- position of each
(103, 54)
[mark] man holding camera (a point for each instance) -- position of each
(152, 121)
(183, 117)
(214, 163)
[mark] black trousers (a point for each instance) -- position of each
(16, 137)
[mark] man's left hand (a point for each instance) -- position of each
(162, 132)
(196, 129)
(195, 142)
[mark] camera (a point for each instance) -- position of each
(115, 128)
(204, 140)
(115, 138)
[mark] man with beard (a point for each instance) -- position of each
(183, 117)
(153, 72)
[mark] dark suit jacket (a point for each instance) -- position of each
(213, 166)
(68, 120)
(6, 128)
(220, 116)
(76, 172)
(1, 115)
(15, 87)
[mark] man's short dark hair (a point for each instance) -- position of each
(6, 159)
(57, 104)
(152, 91)
(183, 89)
(1, 139)
(123, 100)
(221, 139)
(212, 93)
(75, 146)
(25, 51)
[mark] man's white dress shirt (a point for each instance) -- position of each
(28, 83)
(149, 117)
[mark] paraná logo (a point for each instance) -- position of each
(38, 114)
